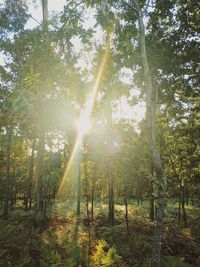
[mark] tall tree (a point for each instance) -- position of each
(155, 155)
(39, 206)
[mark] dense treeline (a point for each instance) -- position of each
(49, 93)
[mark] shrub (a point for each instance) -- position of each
(105, 256)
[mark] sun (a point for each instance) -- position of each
(83, 124)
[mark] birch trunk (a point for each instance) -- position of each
(155, 156)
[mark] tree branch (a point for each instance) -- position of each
(70, 14)
(130, 6)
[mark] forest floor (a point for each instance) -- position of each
(65, 240)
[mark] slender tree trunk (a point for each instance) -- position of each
(111, 195)
(28, 201)
(12, 196)
(12, 186)
(78, 211)
(183, 205)
(126, 211)
(86, 184)
(151, 196)
(181, 195)
(7, 182)
(151, 200)
(39, 173)
(92, 196)
(179, 202)
(45, 14)
(186, 193)
(110, 175)
(155, 156)
(39, 207)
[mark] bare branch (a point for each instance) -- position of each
(35, 19)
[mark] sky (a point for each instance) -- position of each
(124, 110)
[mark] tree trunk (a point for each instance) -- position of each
(179, 205)
(12, 186)
(7, 181)
(110, 194)
(86, 184)
(183, 205)
(110, 175)
(126, 211)
(186, 193)
(151, 196)
(92, 196)
(151, 200)
(155, 156)
(28, 200)
(39, 207)
(78, 211)
(39, 173)
(45, 13)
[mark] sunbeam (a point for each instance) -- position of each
(83, 123)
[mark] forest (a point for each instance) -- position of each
(99, 133)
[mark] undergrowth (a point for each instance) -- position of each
(67, 241)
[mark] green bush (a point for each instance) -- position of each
(50, 258)
(105, 256)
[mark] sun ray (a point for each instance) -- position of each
(86, 115)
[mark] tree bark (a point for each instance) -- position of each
(181, 194)
(7, 181)
(186, 193)
(111, 205)
(151, 200)
(86, 186)
(126, 211)
(39, 173)
(28, 200)
(183, 205)
(45, 14)
(78, 208)
(92, 195)
(155, 156)
(110, 194)
(39, 206)
(179, 205)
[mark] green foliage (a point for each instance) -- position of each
(170, 261)
(105, 256)
(50, 257)
(39, 219)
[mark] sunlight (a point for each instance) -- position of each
(83, 124)
(124, 111)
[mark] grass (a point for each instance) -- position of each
(68, 241)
